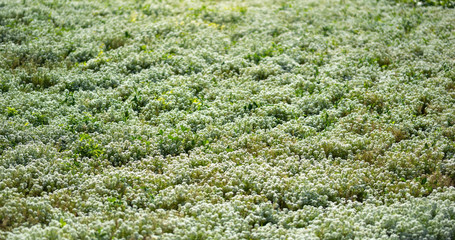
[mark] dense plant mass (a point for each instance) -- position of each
(203, 119)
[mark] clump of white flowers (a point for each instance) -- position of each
(227, 120)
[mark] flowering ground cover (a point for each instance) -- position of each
(213, 119)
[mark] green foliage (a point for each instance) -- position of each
(261, 119)
(443, 3)
(11, 112)
(87, 147)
